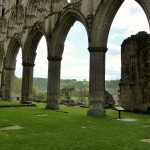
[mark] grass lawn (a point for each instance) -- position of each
(71, 131)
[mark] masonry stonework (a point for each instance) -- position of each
(24, 22)
(135, 73)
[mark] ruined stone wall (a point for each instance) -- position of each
(135, 73)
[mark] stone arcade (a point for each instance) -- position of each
(24, 22)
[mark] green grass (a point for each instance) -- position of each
(71, 131)
(9, 103)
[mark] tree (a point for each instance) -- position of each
(41, 96)
(82, 95)
(34, 93)
(67, 92)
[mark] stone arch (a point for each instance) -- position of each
(29, 54)
(98, 44)
(56, 47)
(31, 43)
(11, 54)
(2, 54)
(105, 16)
(9, 67)
(61, 29)
(145, 4)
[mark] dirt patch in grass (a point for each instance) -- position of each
(83, 127)
(14, 127)
(145, 140)
(145, 127)
(41, 115)
(128, 119)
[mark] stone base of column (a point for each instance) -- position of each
(52, 106)
(96, 108)
(95, 112)
(52, 102)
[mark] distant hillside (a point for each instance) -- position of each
(40, 84)
(112, 86)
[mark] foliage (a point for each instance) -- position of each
(82, 95)
(41, 96)
(112, 85)
(17, 85)
(81, 87)
(38, 95)
(67, 92)
(34, 93)
(40, 84)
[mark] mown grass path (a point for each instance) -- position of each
(71, 131)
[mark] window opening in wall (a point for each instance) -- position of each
(17, 2)
(3, 12)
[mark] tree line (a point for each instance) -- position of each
(70, 88)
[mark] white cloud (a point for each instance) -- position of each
(74, 67)
(113, 47)
(113, 64)
(18, 71)
(41, 62)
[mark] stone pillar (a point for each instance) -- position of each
(27, 83)
(1, 87)
(1, 78)
(97, 81)
(53, 88)
(9, 82)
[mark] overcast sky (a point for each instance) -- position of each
(129, 20)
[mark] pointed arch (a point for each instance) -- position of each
(2, 54)
(145, 4)
(12, 51)
(103, 20)
(104, 17)
(61, 29)
(31, 43)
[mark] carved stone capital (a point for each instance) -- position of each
(9, 68)
(98, 49)
(28, 64)
(54, 58)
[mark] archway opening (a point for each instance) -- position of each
(69, 1)
(129, 20)
(40, 72)
(18, 76)
(75, 66)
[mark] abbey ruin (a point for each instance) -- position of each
(135, 73)
(24, 22)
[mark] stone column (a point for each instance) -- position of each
(53, 89)
(27, 83)
(1, 78)
(9, 83)
(97, 81)
(1, 83)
